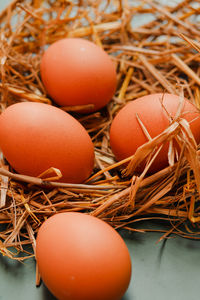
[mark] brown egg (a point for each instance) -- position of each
(36, 136)
(81, 257)
(76, 71)
(126, 134)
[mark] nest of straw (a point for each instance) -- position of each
(159, 56)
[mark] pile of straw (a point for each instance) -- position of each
(159, 56)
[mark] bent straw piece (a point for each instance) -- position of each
(54, 173)
(39, 181)
(144, 150)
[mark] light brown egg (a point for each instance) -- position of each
(80, 257)
(76, 71)
(126, 134)
(36, 136)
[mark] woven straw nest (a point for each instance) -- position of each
(159, 56)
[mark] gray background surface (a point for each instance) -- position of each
(160, 271)
(167, 270)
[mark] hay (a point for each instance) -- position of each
(162, 55)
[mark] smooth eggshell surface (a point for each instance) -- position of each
(81, 257)
(126, 134)
(36, 136)
(76, 71)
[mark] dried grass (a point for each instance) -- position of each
(162, 55)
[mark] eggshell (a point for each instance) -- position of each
(76, 71)
(81, 257)
(36, 136)
(126, 134)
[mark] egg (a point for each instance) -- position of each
(126, 134)
(80, 257)
(35, 137)
(76, 71)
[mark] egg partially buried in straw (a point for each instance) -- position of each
(35, 137)
(80, 257)
(76, 71)
(126, 133)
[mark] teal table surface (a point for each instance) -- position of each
(160, 271)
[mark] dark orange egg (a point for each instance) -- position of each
(76, 71)
(126, 134)
(81, 257)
